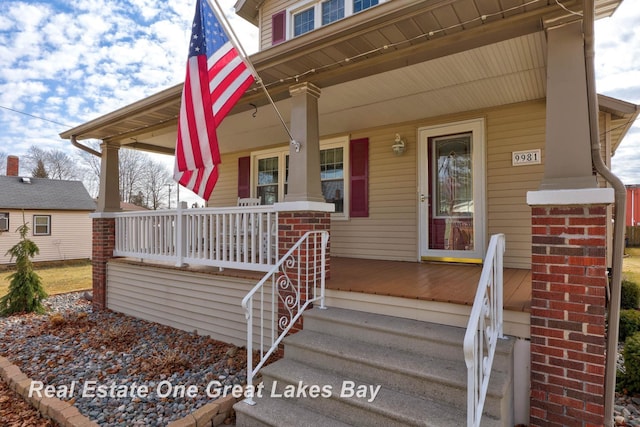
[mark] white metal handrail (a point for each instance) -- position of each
(234, 237)
(484, 329)
(280, 298)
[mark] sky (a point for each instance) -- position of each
(67, 62)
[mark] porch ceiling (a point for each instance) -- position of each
(442, 57)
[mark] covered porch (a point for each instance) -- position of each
(429, 291)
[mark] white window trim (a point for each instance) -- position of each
(282, 152)
(48, 233)
(5, 216)
(317, 14)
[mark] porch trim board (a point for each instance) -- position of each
(516, 323)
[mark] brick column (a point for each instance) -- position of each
(292, 225)
(569, 279)
(104, 239)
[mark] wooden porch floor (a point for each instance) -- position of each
(452, 283)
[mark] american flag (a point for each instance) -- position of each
(216, 79)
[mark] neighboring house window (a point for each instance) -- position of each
(42, 225)
(308, 15)
(271, 169)
(4, 221)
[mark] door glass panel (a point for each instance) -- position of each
(452, 209)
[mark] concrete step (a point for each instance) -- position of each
(408, 372)
(420, 337)
(273, 412)
(334, 366)
(377, 406)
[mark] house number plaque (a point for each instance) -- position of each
(528, 157)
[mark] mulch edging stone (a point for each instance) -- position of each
(212, 414)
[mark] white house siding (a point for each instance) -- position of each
(70, 235)
(513, 128)
(187, 300)
(268, 9)
(391, 230)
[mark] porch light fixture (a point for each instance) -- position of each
(398, 145)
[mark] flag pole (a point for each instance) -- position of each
(236, 43)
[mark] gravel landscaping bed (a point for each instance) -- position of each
(103, 362)
(118, 370)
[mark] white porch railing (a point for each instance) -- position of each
(484, 329)
(280, 298)
(236, 237)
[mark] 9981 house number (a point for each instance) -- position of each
(528, 157)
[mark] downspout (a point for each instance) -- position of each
(89, 150)
(620, 209)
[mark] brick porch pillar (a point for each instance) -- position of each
(569, 280)
(104, 239)
(292, 225)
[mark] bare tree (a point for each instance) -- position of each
(157, 176)
(61, 165)
(132, 170)
(143, 181)
(57, 163)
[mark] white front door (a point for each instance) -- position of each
(452, 191)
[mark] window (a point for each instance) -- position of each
(4, 221)
(267, 186)
(42, 225)
(332, 176)
(360, 5)
(310, 14)
(271, 170)
(332, 10)
(303, 22)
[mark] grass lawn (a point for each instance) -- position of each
(56, 279)
(631, 265)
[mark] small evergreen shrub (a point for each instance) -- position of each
(629, 324)
(25, 288)
(631, 354)
(630, 295)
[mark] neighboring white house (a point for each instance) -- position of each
(57, 212)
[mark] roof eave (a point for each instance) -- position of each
(165, 96)
(249, 10)
(619, 110)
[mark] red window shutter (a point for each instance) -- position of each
(359, 159)
(244, 176)
(278, 28)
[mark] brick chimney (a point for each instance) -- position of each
(13, 164)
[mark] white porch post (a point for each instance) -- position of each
(569, 264)
(304, 165)
(109, 193)
(567, 160)
(104, 229)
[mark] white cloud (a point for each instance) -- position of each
(617, 64)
